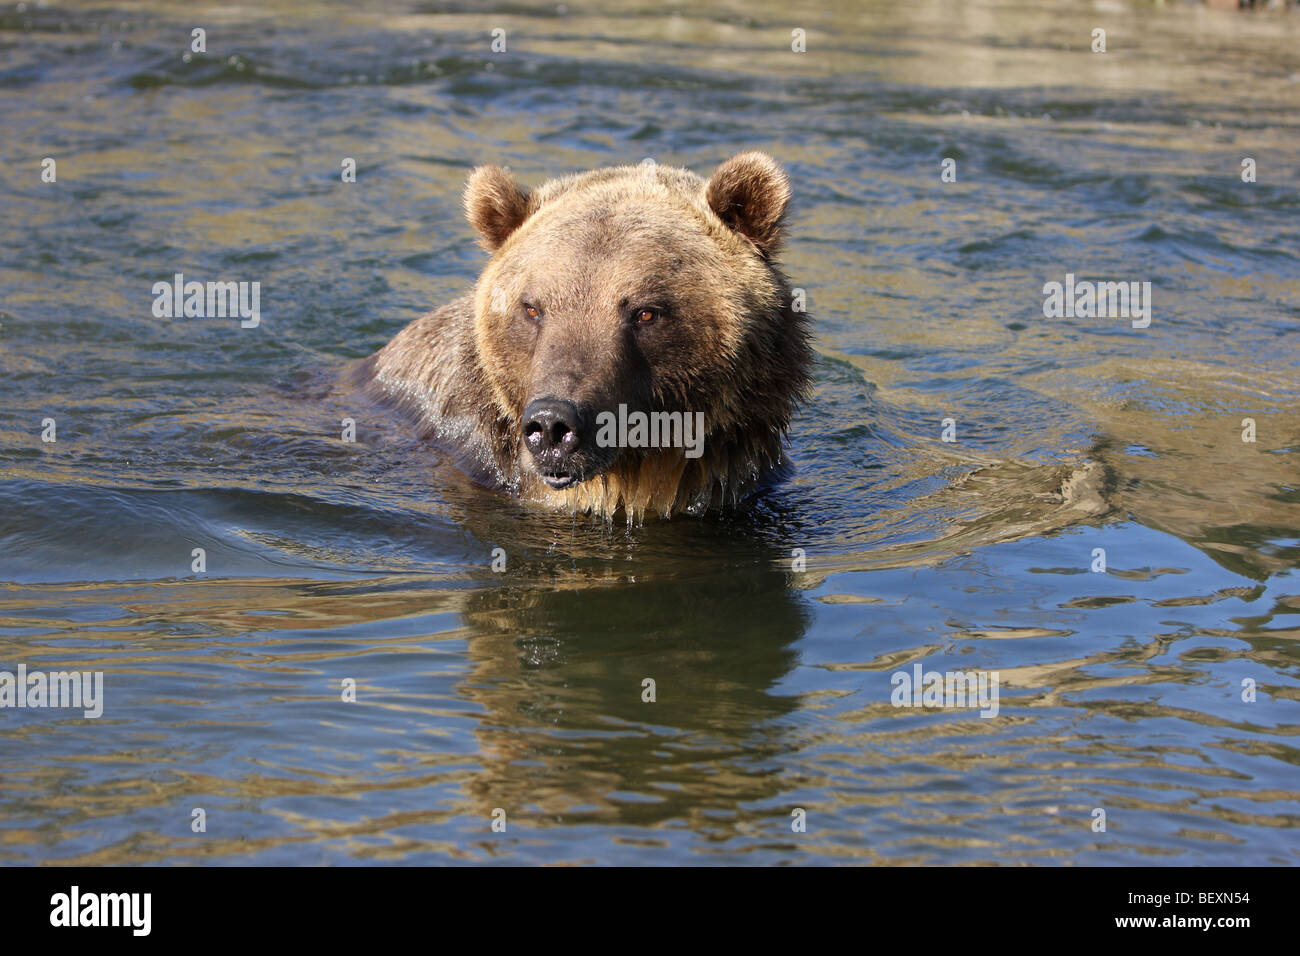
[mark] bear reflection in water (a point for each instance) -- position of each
(662, 677)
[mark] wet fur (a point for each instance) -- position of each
(737, 351)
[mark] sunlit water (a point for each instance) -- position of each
(1122, 689)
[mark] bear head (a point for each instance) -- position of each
(638, 289)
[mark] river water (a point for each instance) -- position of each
(1098, 534)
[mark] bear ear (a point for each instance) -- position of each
(750, 192)
(495, 205)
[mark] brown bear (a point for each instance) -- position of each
(630, 346)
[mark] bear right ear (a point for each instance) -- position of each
(750, 192)
(495, 205)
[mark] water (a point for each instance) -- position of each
(522, 690)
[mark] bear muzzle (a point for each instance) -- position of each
(558, 436)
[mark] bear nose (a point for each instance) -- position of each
(551, 428)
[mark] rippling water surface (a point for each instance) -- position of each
(1122, 689)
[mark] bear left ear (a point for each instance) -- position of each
(495, 205)
(750, 192)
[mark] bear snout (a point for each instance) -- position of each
(553, 433)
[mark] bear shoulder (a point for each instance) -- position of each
(431, 372)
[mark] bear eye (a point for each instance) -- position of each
(646, 316)
(532, 312)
